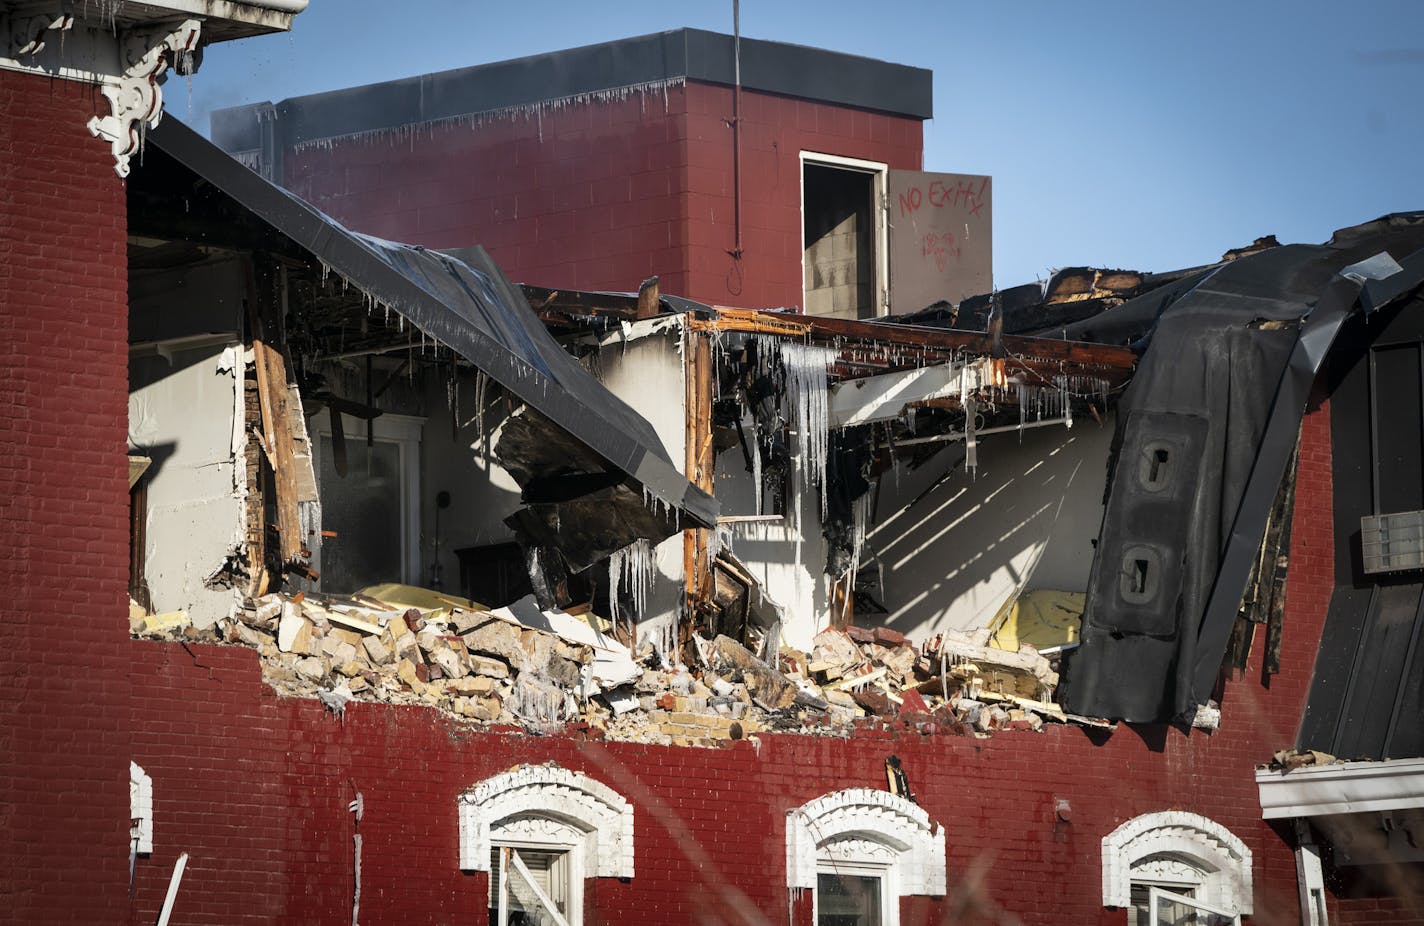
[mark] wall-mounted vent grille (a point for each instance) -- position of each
(1393, 542)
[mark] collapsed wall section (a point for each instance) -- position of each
(256, 788)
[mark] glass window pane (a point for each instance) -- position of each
(1140, 911)
(364, 509)
(1169, 907)
(847, 900)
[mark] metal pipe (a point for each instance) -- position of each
(737, 128)
(959, 435)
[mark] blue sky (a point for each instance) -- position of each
(1144, 135)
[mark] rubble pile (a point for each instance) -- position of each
(544, 670)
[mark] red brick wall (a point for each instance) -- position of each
(63, 509)
(256, 788)
(602, 195)
(775, 130)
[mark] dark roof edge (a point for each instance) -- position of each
(642, 61)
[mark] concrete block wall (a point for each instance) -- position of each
(775, 130)
(584, 196)
(605, 193)
(64, 713)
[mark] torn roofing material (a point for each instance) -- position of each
(467, 305)
(1207, 428)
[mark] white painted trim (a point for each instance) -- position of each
(1345, 787)
(602, 815)
(1223, 860)
(880, 170)
(1310, 878)
(900, 826)
(1157, 895)
(140, 809)
(405, 432)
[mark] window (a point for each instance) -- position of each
(848, 895)
(860, 851)
(540, 831)
(1165, 907)
(533, 886)
(1176, 869)
(370, 501)
(843, 236)
(140, 810)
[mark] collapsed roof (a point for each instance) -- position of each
(468, 306)
(1207, 428)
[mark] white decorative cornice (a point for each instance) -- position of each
(863, 824)
(1342, 787)
(1186, 842)
(569, 806)
(135, 99)
(124, 49)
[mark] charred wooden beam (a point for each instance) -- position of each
(699, 458)
(564, 302)
(935, 344)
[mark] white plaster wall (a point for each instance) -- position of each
(648, 374)
(788, 557)
(482, 493)
(182, 415)
(1027, 520)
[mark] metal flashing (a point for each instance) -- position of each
(661, 59)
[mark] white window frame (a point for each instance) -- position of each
(879, 171)
(405, 432)
(1219, 861)
(575, 873)
(1155, 895)
(889, 886)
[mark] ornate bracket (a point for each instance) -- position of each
(135, 99)
(28, 33)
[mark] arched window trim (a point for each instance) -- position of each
(916, 846)
(1221, 857)
(571, 799)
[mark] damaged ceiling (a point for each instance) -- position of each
(467, 306)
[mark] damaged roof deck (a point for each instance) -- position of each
(812, 415)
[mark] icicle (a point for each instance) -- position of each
(806, 393)
(756, 470)
(632, 568)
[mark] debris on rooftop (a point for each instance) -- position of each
(543, 670)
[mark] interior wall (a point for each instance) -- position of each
(184, 415)
(952, 554)
(455, 457)
(839, 259)
(647, 373)
(788, 557)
